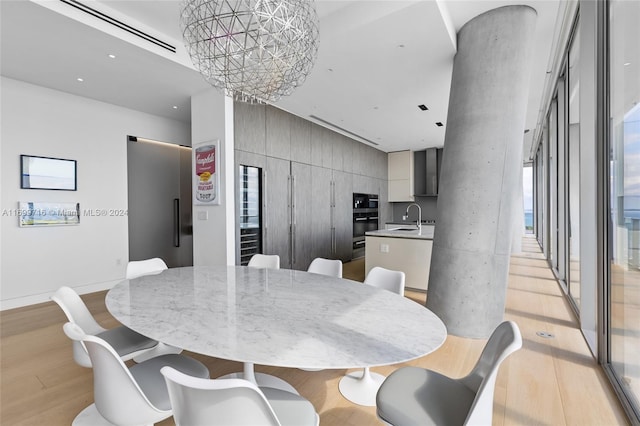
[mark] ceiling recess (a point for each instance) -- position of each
(423, 107)
(113, 21)
(342, 129)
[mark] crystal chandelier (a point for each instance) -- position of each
(254, 50)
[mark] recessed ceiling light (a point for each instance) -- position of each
(401, 45)
(439, 124)
(626, 64)
(423, 107)
(80, 79)
(175, 107)
(112, 56)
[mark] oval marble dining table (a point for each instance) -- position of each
(276, 317)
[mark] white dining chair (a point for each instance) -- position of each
(413, 395)
(268, 261)
(231, 402)
(139, 268)
(128, 396)
(271, 261)
(361, 387)
(320, 265)
(127, 343)
(330, 267)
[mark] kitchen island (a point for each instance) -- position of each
(405, 249)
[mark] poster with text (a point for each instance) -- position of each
(206, 179)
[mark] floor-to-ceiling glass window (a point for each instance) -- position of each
(624, 222)
(552, 125)
(573, 175)
(527, 197)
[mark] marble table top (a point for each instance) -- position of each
(278, 317)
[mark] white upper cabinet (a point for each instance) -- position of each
(400, 175)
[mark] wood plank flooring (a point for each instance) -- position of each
(548, 382)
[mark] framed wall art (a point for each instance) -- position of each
(34, 214)
(48, 173)
(206, 173)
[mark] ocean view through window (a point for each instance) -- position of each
(527, 197)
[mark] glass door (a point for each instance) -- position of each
(250, 219)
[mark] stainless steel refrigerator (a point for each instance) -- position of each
(160, 219)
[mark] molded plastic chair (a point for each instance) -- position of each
(271, 261)
(323, 266)
(126, 342)
(361, 388)
(231, 402)
(138, 268)
(412, 395)
(128, 396)
(332, 268)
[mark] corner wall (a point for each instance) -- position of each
(93, 255)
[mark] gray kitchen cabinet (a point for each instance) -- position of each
(300, 140)
(346, 151)
(302, 216)
(321, 146)
(277, 209)
(321, 184)
(427, 172)
(309, 176)
(342, 216)
(249, 127)
(278, 133)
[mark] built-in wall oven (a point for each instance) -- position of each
(365, 218)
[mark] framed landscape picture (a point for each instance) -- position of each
(48, 173)
(34, 214)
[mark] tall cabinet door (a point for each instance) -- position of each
(342, 215)
(302, 216)
(321, 187)
(277, 210)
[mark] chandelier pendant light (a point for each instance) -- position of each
(253, 50)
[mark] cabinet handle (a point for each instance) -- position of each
(293, 220)
(266, 210)
(176, 222)
(334, 248)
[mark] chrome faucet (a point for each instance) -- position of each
(419, 221)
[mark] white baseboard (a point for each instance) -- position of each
(20, 302)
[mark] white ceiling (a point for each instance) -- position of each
(377, 61)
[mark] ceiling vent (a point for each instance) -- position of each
(128, 28)
(342, 129)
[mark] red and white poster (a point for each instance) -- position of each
(206, 179)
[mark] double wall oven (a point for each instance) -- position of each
(365, 218)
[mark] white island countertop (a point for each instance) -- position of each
(426, 233)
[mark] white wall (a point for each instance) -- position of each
(93, 255)
(213, 226)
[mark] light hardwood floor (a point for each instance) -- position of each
(548, 382)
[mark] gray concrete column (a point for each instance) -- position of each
(479, 181)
